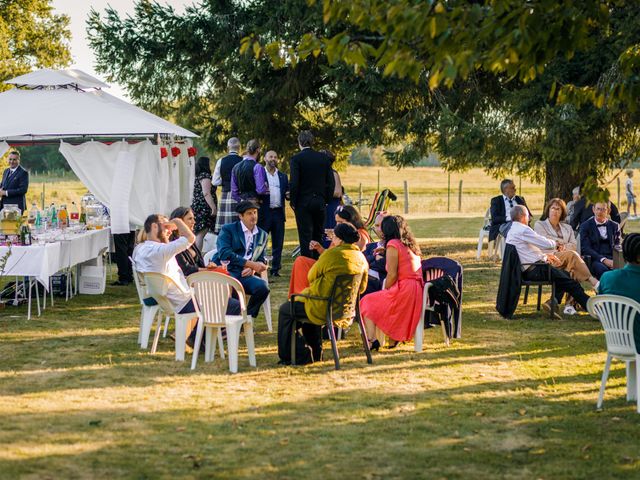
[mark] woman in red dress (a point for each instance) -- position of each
(395, 311)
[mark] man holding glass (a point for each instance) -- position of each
(241, 247)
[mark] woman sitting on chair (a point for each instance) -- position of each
(344, 215)
(191, 260)
(395, 311)
(552, 225)
(343, 258)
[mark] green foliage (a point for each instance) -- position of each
(43, 158)
(31, 36)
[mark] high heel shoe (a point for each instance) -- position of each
(375, 346)
(394, 344)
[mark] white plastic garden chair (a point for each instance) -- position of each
(484, 232)
(157, 286)
(212, 291)
(617, 315)
(147, 313)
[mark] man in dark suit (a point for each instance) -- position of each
(243, 244)
(583, 211)
(15, 183)
(312, 184)
(599, 237)
(501, 207)
(271, 217)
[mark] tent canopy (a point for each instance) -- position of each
(49, 109)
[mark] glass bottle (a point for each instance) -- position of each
(63, 216)
(74, 214)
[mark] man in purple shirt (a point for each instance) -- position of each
(249, 178)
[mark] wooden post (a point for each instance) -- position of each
(378, 179)
(460, 197)
(618, 181)
(406, 197)
(448, 191)
(360, 197)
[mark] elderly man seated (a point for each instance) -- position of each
(530, 246)
(501, 207)
(599, 237)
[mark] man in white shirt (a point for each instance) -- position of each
(272, 215)
(530, 246)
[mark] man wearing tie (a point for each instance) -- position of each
(312, 185)
(599, 237)
(243, 244)
(501, 207)
(272, 216)
(15, 183)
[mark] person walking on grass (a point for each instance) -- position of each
(631, 197)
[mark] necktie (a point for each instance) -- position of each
(250, 249)
(510, 203)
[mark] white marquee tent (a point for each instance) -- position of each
(132, 179)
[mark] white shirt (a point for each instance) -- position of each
(629, 185)
(602, 228)
(248, 240)
(529, 244)
(217, 178)
(275, 199)
(161, 258)
(508, 206)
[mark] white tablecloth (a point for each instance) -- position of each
(43, 261)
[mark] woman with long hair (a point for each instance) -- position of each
(191, 260)
(395, 311)
(205, 203)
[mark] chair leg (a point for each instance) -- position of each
(221, 344)
(181, 337)
(444, 333)
(166, 326)
(553, 300)
(418, 336)
(148, 317)
(35, 284)
(526, 294)
(605, 375)
(233, 341)
(209, 346)
(480, 244)
(196, 344)
(365, 340)
(637, 383)
(267, 313)
(156, 337)
(540, 298)
(248, 338)
(631, 368)
(334, 344)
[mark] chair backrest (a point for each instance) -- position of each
(372, 211)
(139, 281)
(487, 219)
(157, 287)
(617, 315)
(343, 300)
(436, 267)
(212, 291)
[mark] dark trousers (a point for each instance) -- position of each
(310, 220)
(564, 283)
(312, 333)
(124, 243)
(273, 223)
(257, 288)
(598, 268)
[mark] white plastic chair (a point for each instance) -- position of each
(212, 291)
(267, 304)
(157, 286)
(494, 248)
(617, 315)
(147, 313)
(418, 337)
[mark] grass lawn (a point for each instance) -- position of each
(511, 399)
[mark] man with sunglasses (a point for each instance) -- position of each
(15, 183)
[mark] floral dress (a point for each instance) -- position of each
(205, 220)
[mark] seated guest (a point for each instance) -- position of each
(583, 211)
(189, 260)
(552, 226)
(599, 237)
(243, 244)
(374, 253)
(344, 258)
(302, 265)
(396, 310)
(575, 196)
(530, 247)
(501, 207)
(625, 281)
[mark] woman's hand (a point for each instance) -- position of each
(313, 245)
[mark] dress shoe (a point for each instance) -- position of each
(275, 274)
(547, 308)
(375, 346)
(119, 283)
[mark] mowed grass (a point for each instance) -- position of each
(511, 399)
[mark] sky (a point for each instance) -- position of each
(78, 11)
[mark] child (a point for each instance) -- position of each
(631, 197)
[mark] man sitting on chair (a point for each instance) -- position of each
(501, 207)
(243, 244)
(530, 246)
(599, 237)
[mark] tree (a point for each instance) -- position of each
(31, 36)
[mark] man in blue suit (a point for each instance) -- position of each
(599, 237)
(272, 215)
(15, 183)
(243, 244)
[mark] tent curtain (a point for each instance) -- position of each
(155, 182)
(4, 146)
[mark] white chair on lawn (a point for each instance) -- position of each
(617, 315)
(418, 337)
(212, 292)
(147, 313)
(484, 232)
(157, 287)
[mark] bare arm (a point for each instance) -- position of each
(337, 191)
(392, 266)
(205, 183)
(183, 230)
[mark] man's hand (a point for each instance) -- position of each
(607, 262)
(553, 260)
(258, 267)
(2, 192)
(560, 246)
(247, 272)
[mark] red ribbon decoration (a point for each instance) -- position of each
(163, 152)
(175, 151)
(191, 151)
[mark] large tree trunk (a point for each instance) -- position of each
(559, 181)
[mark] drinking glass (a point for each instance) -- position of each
(224, 264)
